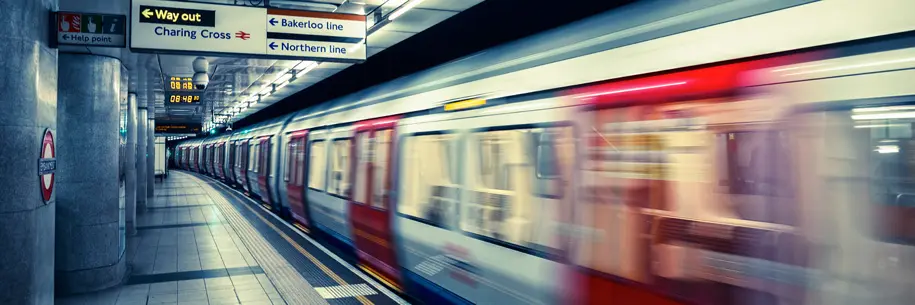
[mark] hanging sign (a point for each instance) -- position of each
(158, 26)
(87, 29)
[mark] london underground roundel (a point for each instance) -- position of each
(47, 164)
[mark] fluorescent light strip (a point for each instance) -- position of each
(404, 9)
(879, 109)
(307, 69)
(883, 116)
(880, 125)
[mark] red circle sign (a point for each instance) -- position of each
(47, 164)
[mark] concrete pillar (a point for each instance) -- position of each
(151, 157)
(28, 107)
(88, 240)
(142, 121)
(131, 164)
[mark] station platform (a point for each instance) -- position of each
(201, 242)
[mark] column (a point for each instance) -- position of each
(88, 241)
(131, 164)
(151, 157)
(142, 143)
(28, 107)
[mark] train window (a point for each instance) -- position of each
(493, 170)
(554, 158)
(252, 156)
(870, 157)
(317, 165)
(289, 168)
(430, 189)
(364, 151)
(340, 184)
(300, 163)
(265, 159)
(516, 184)
(382, 143)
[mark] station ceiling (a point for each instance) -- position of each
(235, 82)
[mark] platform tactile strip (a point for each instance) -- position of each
(291, 285)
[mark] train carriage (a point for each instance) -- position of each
(643, 165)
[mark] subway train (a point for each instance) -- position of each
(764, 159)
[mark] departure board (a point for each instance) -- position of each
(183, 98)
(176, 83)
(179, 128)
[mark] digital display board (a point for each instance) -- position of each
(176, 83)
(182, 128)
(183, 98)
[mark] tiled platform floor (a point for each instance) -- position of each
(185, 252)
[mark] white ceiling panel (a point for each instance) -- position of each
(450, 5)
(385, 38)
(417, 20)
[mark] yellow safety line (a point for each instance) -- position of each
(330, 273)
(384, 279)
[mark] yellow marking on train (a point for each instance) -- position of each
(381, 277)
(330, 273)
(465, 104)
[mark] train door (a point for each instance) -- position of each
(263, 172)
(217, 173)
(294, 177)
(207, 158)
(196, 156)
(221, 160)
(211, 160)
(243, 164)
(371, 208)
(230, 162)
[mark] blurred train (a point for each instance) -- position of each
(764, 158)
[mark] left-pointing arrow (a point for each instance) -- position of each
(272, 45)
(147, 13)
(66, 37)
(273, 21)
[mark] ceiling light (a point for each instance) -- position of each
(282, 79)
(887, 149)
(404, 9)
(303, 64)
(307, 69)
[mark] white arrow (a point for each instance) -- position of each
(146, 13)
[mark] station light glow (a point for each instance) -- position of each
(404, 9)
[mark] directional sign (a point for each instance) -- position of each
(182, 27)
(196, 28)
(315, 49)
(315, 34)
(87, 29)
(316, 24)
(170, 15)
